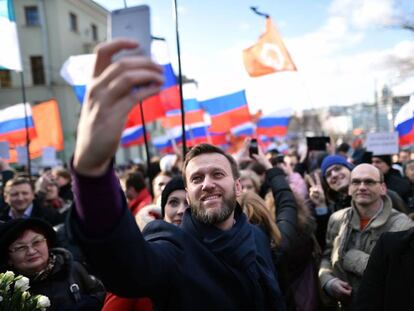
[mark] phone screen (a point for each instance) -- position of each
(132, 23)
(317, 143)
(253, 149)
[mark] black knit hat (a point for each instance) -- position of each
(177, 183)
(12, 229)
(385, 158)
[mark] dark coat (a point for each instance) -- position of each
(397, 183)
(191, 267)
(387, 283)
(57, 285)
(46, 213)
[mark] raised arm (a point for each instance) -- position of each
(116, 87)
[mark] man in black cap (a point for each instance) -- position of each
(392, 177)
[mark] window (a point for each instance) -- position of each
(73, 22)
(38, 73)
(5, 78)
(94, 32)
(32, 16)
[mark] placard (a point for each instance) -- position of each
(49, 156)
(4, 150)
(382, 143)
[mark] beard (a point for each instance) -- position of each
(214, 216)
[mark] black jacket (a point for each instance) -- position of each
(46, 213)
(191, 267)
(397, 183)
(387, 283)
(65, 273)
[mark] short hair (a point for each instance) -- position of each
(206, 149)
(17, 181)
(62, 172)
(135, 180)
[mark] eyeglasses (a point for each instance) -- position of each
(367, 182)
(23, 248)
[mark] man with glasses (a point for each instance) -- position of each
(352, 233)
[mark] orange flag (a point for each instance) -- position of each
(268, 55)
(48, 127)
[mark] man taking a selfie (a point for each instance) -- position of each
(215, 261)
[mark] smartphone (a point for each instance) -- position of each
(317, 143)
(132, 23)
(253, 148)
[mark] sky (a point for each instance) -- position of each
(342, 48)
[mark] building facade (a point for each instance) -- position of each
(50, 31)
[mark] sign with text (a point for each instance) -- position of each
(49, 156)
(22, 155)
(382, 143)
(4, 150)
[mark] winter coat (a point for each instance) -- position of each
(397, 183)
(388, 279)
(46, 213)
(191, 267)
(348, 247)
(87, 292)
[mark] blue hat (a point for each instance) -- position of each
(332, 160)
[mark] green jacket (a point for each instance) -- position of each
(348, 248)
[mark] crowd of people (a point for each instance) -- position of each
(208, 230)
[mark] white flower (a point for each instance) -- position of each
(42, 302)
(22, 283)
(8, 276)
(1, 298)
(25, 296)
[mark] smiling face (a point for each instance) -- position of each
(19, 197)
(211, 188)
(175, 207)
(32, 259)
(337, 177)
(366, 187)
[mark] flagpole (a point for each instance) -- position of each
(144, 131)
(26, 123)
(180, 79)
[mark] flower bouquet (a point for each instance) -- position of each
(14, 295)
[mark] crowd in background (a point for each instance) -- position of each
(300, 201)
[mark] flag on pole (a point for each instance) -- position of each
(404, 123)
(132, 136)
(77, 70)
(13, 124)
(268, 55)
(10, 50)
(48, 126)
(227, 111)
(274, 124)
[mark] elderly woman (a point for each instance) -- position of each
(25, 246)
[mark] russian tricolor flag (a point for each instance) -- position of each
(10, 50)
(275, 124)
(163, 144)
(244, 130)
(192, 108)
(404, 123)
(77, 71)
(132, 136)
(13, 124)
(227, 111)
